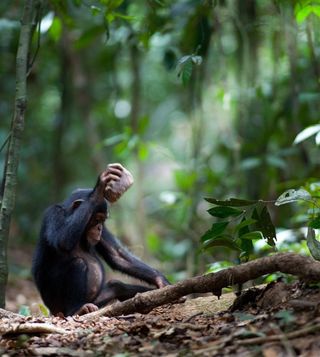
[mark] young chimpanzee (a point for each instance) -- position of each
(67, 265)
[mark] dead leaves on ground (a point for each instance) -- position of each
(289, 326)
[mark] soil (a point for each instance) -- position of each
(280, 319)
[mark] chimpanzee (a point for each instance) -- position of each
(67, 266)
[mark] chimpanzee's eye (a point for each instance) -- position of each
(76, 204)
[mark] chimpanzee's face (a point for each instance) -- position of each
(95, 227)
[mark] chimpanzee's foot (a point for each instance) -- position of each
(86, 308)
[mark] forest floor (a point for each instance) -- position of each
(275, 320)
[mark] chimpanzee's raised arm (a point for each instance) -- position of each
(120, 259)
(67, 222)
(64, 224)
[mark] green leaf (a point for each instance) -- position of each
(123, 17)
(232, 202)
(154, 242)
(245, 223)
(224, 211)
(185, 180)
(221, 241)
(109, 16)
(313, 244)
(301, 13)
(187, 72)
(95, 10)
(55, 30)
(247, 247)
(143, 124)
(252, 235)
(293, 196)
(245, 244)
(315, 223)
(143, 151)
(306, 133)
(266, 226)
(216, 230)
(44, 310)
(185, 66)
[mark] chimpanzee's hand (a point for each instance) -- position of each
(118, 180)
(161, 281)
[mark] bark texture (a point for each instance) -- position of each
(17, 125)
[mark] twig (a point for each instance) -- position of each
(37, 23)
(29, 328)
(192, 316)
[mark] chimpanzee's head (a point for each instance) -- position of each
(94, 227)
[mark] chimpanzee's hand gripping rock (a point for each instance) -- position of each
(67, 266)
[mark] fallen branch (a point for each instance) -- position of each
(289, 263)
(29, 328)
(8, 314)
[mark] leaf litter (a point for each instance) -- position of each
(277, 319)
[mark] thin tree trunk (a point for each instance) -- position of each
(17, 127)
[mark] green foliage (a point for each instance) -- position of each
(293, 195)
(55, 30)
(127, 143)
(250, 90)
(313, 244)
(217, 266)
(224, 211)
(185, 67)
(307, 133)
(44, 310)
(251, 223)
(304, 8)
(313, 219)
(24, 310)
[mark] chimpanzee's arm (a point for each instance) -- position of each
(62, 229)
(64, 225)
(120, 259)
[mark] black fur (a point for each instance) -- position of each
(61, 269)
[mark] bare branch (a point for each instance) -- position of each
(289, 263)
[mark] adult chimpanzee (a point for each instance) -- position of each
(67, 265)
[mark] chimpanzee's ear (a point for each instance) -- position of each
(76, 204)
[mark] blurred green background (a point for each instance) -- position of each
(196, 98)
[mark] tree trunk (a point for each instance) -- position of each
(17, 126)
